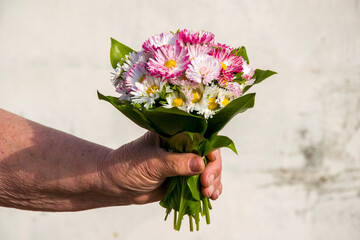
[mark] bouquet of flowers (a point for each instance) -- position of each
(185, 87)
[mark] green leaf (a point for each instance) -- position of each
(222, 141)
(184, 142)
(241, 52)
(193, 183)
(222, 117)
(260, 75)
(118, 51)
(171, 121)
(128, 110)
(204, 148)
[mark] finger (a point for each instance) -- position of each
(210, 190)
(212, 170)
(181, 164)
(217, 192)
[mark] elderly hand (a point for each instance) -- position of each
(138, 170)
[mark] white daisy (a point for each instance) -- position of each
(193, 93)
(176, 99)
(147, 92)
(208, 104)
(203, 69)
(224, 97)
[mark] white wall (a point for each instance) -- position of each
(298, 172)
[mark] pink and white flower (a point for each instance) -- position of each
(196, 50)
(135, 58)
(229, 62)
(159, 40)
(201, 37)
(248, 71)
(203, 69)
(168, 61)
(135, 74)
(235, 88)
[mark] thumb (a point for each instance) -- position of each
(182, 164)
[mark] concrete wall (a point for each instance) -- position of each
(298, 172)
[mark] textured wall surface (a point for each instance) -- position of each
(298, 172)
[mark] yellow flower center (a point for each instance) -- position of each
(142, 78)
(223, 66)
(196, 96)
(152, 90)
(212, 104)
(225, 102)
(170, 64)
(178, 102)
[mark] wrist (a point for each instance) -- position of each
(111, 178)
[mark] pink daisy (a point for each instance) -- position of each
(223, 46)
(229, 62)
(203, 69)
(196, 50)
(135, 74)
(248, 71)
(159, 40)
(202, 37)
(168, 61)
(235, 88)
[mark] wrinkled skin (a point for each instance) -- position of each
(138, 170)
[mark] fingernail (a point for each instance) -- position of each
(211, 190)
(195, 165)
(211, 179)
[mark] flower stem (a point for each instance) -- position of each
(191, 223)
(206, 209)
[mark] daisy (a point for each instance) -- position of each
(176, 99)
(147, 92)
(201, 37)
(135, 74)
(235, 88)
(159, 40)
(224, 97)
(196, 50)
(229, 62)
(181, 81)
(223, 47)
(248, 71)
(135, 58)
(123, 90)
(193, 94)
(115, 78)
(168, 61)
(208, 105)
(203, 69)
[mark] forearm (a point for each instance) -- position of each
(45, 169)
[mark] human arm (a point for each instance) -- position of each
(45, 169)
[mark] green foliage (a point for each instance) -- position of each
(222, 141)
(260, 75)
(118, 51)
(222, 117)
(241, 52)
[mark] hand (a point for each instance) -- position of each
(137, 171)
